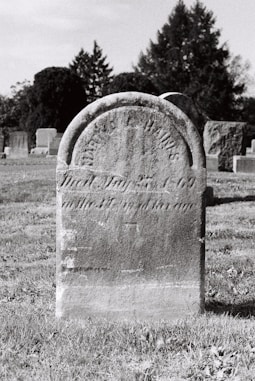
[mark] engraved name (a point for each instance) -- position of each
(103, 129)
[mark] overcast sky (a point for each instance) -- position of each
(35, 34)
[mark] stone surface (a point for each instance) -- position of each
(187, 105)
(244, 164)
(250, 151)
(54, 145)
(212, 162)
(131, 185)
(18, 145)
(225, 139)
(39, 151)
(44, 136)
(7, 151)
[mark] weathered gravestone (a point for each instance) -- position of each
(224, 139)
(130, 212)
(18, 143)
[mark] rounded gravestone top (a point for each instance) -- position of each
(173, 119)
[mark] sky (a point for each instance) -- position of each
(35, 34)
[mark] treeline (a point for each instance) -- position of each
(187, 57)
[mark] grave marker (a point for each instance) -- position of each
(130, 212)
(44, 137)
(224, 139)
(18, 145)
(54, 145)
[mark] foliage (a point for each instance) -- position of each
(93, 70)
(248, 110)
(14, 109)
(187, 58)
(54, 99)
(131, 82)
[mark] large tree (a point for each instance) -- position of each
(94, 71)
(55, 97)
(131, 82)
(188, 58)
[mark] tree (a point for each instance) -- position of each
(93, 70)
(55, 97)
(187, 58)
(130, 82)
(248, 110)
(14, 109)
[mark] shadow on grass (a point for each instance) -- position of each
(244, 310)
(226, 200)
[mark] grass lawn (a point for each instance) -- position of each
(219, 345)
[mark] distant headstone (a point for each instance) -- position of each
(225, 139)
(212, 162)
(187, 105)
(54, 145)
(44, 137)
(18, 143)
(7, 151)
(245, 164)
(131, 185)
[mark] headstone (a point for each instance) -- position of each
(54, 145)
(187, 105)
(244, 164)
(7, 151)
(250, 151)
(212, 162)
(18, 145)
(225, 139)
(131, 185)
(44, 137)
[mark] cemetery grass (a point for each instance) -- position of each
(219, 345)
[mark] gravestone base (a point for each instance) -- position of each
(136, 302)
(39, 151)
